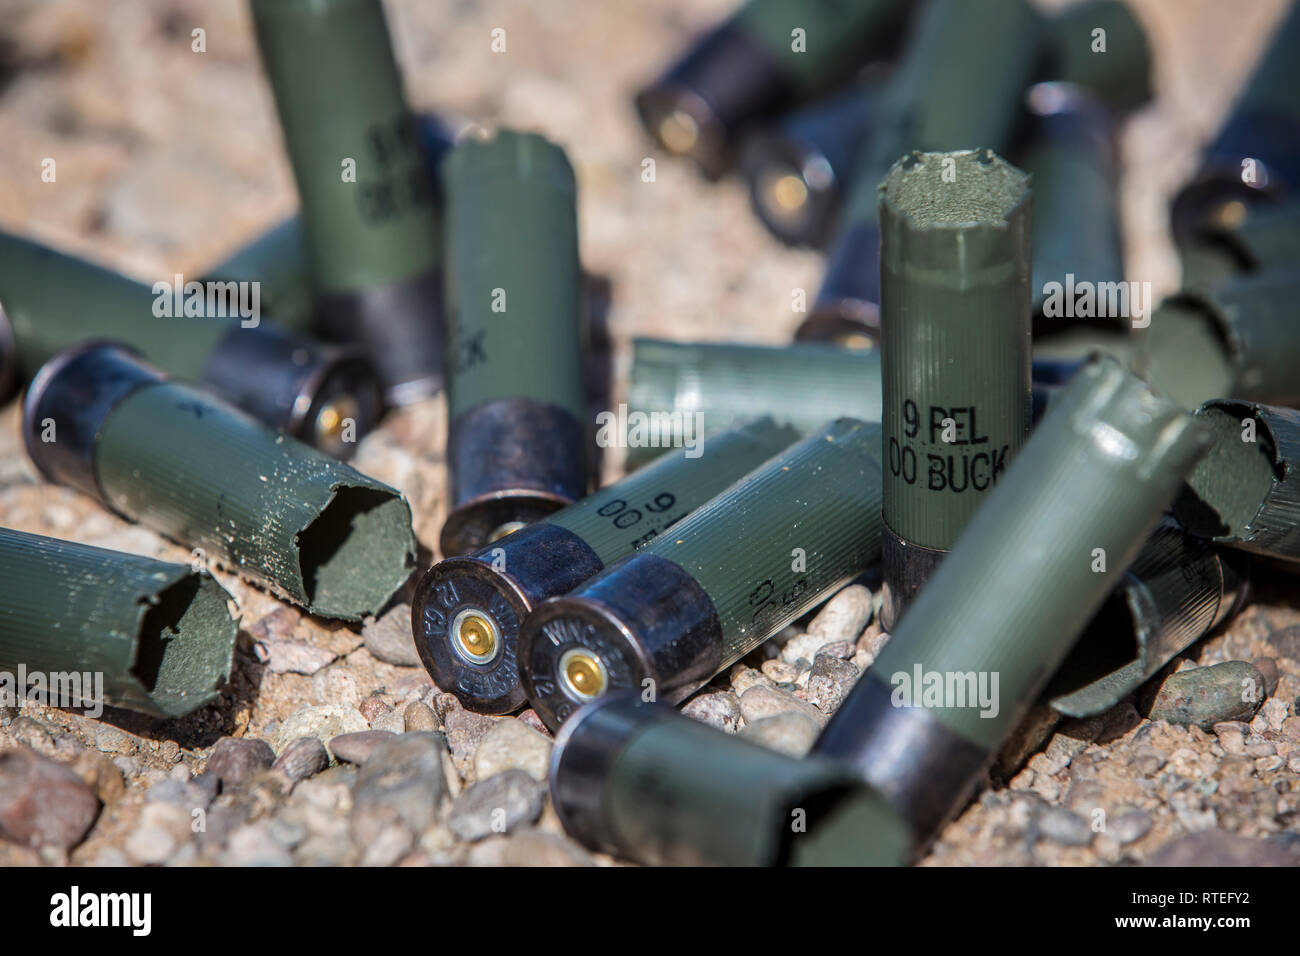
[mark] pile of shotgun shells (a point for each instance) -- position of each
(990, 489)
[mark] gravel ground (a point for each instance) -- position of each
(167, 159)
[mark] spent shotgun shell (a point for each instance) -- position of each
(1238, 338)
(692, 602)
(160, 636)
(1101, 46)
(1241, 239)
(768, 56)
(643, 782)
(1255, 157)
(1245, 492)
(467, 610)
(369, 213)
(212, 336)
(955, 344)
(277, 259)
(516, 396)
(1076, 233)
(1002, 610)
(99, 419)
(702, 388)
(960, 86)
(797, 169)
(1178, 589)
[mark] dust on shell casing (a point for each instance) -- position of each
(646, 783)
(467, 611)
(755, 557)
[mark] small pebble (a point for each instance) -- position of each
(390, 637)
(790, 733)
(303, 758)
(101, 775)
(743, 678)
(236, 759)
(420, 716)
(159, 832)
(509, 744)
(843, 650)
(43, 803)
(1204, 696)
(1216, 848)
(499, 804)
(110, 740)
(372, 708)
(464, 731)
(186, 794)
(1232, 736)
(393, 722)
(1266, 764)
(324, 722)
(830, 682)
(358, 747)
(873, 640)
(845, 614)
(1267, 667)
(720, 709)
(401, 781)
(530, 718)
(761, 701)
(779, 672)
(255, 845)
(292, 657)
(1290, 728)
(530, 847)
(1274, 712)
(1147, 762)
(1064, 827)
